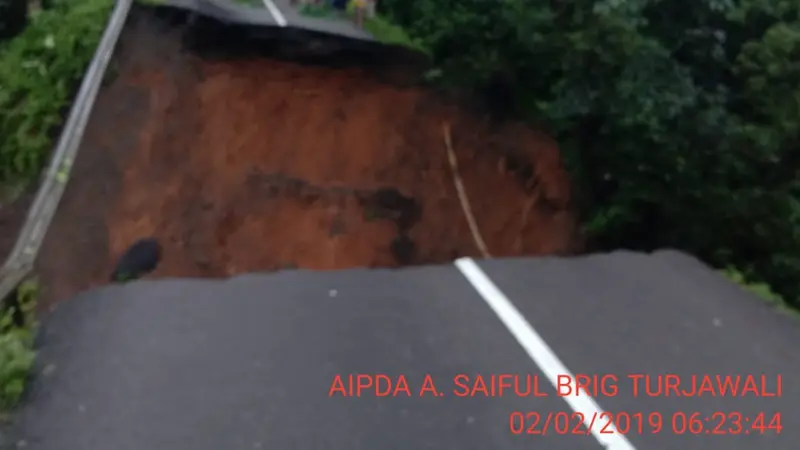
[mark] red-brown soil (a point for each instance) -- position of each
(258, 165)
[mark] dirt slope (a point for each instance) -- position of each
(255, 165)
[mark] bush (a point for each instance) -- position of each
(39, 71)
(40, 68)
(679, 121)
(761, 290)
(16, 345)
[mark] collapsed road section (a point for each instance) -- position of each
(241, 159)
(241, 163)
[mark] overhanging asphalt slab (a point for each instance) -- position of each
(230, 12)
(279, 14)
(330, 25)
(246, 31)
(224, 11)
(247, 363)
(665, 313)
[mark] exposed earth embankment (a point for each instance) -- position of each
(242, 164)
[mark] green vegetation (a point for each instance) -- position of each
(389, 33)
(40, 69)
(379, 27)
(679, 121)
(254, 3)
(761, 290)
(13, 17)
(17, 328)
(318, 10)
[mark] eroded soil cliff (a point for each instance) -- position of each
(243, 165)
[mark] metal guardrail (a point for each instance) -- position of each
(21, 260)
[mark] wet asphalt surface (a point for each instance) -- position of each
(250, 362)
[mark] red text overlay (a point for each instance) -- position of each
(528, 385)
(681, 423)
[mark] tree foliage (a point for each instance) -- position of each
(13, 17)
(679, 119)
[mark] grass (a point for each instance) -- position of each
(760, 290)
(379, 27)
(17, 331)
(388, 33)
(40, 70)
(319, 11)
(254, 3)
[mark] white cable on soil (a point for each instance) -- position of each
(524, 221)
(462, 194)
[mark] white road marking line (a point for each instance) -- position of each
(540, 352)
(276, 13)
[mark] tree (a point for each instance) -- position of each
(679, 120)
(13, 18)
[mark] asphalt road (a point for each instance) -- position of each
(249, 363)
(337, 26)
(274, 13)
